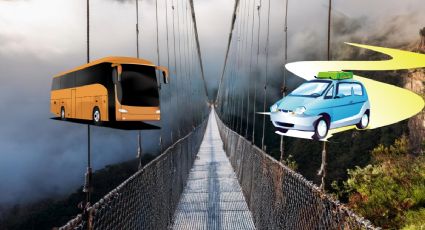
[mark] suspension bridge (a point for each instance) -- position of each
(212, 175)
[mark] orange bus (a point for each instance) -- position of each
(108, 89)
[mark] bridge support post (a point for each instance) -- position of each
(322, 170)
(139, 149)
(282, 151)
(87, 188)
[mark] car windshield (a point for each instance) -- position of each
(310, 89)
(139, 86)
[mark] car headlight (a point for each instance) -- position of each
(273, 108)
(300, 110)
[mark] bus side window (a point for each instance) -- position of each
(97, 74)
(67, 81)
(56, 84)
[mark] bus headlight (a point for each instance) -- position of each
(300, 110)
(122, 111)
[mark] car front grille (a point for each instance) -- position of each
(283, 124)
(285, 111)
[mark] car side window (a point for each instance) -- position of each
(357, 89)
(344, 89)
(330, 93)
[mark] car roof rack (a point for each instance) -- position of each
(335, 75)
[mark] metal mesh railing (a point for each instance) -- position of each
(280, 198)
(148, 199)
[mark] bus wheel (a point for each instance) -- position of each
(63, 117)
(96, 115)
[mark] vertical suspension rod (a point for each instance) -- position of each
(267, 69)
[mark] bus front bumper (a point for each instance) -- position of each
(140, 117)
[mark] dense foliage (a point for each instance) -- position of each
(391, 190)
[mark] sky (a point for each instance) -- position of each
(41, 158)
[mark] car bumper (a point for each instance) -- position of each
(292, 121)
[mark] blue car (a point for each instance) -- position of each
(322, 104)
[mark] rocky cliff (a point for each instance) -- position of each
(415, 81)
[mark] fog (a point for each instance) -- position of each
(39, 38)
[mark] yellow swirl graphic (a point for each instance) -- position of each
(389, 104)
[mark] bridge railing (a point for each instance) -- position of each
(148, 199)
(280, 198)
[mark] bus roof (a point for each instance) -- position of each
(112, 60)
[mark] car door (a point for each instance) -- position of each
(358, 98)
(329, 101)
(341, 103)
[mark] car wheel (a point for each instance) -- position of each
(364, 121)
(96, 115)
(63, 116)
(321, 128)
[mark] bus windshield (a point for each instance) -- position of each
(139, 86)
(310, 89)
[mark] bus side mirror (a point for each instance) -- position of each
(165, 77)
(164, 70)
(119, 68)
(115, 76)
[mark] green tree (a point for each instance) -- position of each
(391, 190)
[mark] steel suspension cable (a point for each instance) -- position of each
(166, 28)
(250, 69)
(228, 46)
(139, 133)
(88, 188)
(168, 48)
(175, 64)
(158, 60)
(190, 59)
(180, 73)
(245, 43)
(137, 28)
(189, 77)
(242, 67)
(284, 88)
(267, 68)
(157, 36)
(258, 54)
(322, 170)
(238, 70)
(186, 54)
(198, 47)
(183, 59)
(232, 82)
